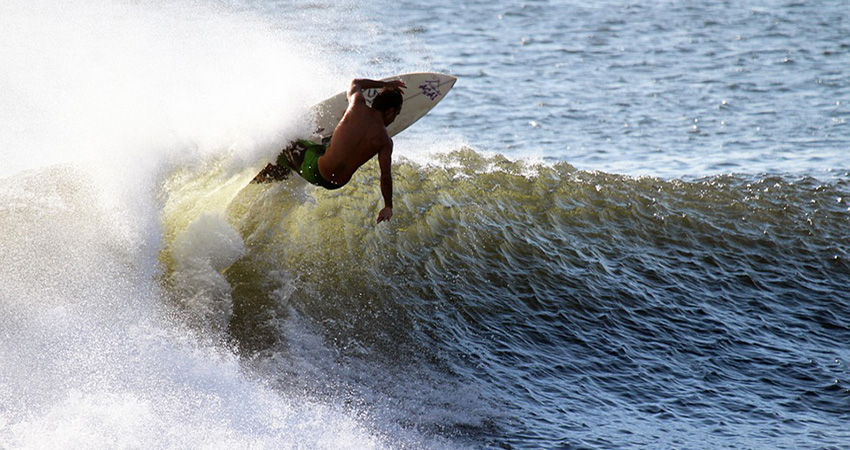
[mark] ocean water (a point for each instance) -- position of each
(626, 227)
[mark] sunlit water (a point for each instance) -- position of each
(626, 227)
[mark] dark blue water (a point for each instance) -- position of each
(626, 227)
(576, 309)
(662, 88)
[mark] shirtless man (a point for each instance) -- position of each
(360, 135)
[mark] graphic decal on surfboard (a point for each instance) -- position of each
(431, 89)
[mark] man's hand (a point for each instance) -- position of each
(394, 85)
(385, 214)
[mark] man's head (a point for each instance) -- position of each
(388, 102)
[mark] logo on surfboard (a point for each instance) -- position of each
(431, 89)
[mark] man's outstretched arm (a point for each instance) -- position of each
(385, 163)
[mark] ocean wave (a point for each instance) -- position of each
(502, 273)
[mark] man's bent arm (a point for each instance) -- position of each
(359, 84)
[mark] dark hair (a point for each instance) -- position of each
(388, 99)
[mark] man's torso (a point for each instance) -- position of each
(360, 135)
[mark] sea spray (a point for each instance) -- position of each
(101, 103)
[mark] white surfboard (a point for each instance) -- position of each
(424, 91)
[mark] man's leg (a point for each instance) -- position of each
(289, 158)
(271, 173)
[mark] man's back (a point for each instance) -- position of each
(360, 135)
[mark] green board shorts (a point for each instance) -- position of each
(309, 169)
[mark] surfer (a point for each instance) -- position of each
(360, 135)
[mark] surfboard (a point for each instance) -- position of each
(424, 91)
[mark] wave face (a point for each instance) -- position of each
(510, 303)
